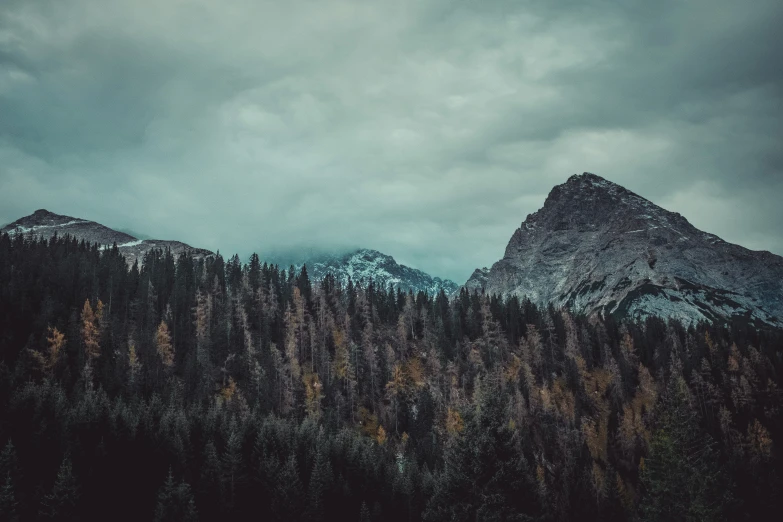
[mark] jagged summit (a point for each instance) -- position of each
(45, 224)
(587, 201)
(595, 246)
(43, 213)
(364, 264)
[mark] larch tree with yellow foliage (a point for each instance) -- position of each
(163, 345)
(90, 329)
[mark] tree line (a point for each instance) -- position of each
(208, 389)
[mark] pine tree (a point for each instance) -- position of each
(8, 501)
(9, 463)
(210, 489)
(232, 468)
(364, 513)
(175, 502)
(484, 476)
(61, 502)
(288, 498)
(9, 477)
(681, 478)
(320, 483)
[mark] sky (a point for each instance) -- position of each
(427, 130)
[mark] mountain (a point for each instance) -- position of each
(597, 247)
(43, 223)
(365, 264)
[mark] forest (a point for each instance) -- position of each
(212, 389)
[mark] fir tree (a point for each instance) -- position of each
(484, 477)
(9, 464)
(8, 501)
(175, 502)
(61, 502)
(288, 499)
(681, 478)
(320, 483)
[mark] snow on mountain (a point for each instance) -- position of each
(43, 223)
(597, 247)
(364, 264)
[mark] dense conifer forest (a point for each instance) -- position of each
(208, 389)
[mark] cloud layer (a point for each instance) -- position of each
(427, 130)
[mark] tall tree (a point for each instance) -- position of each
(682, 479)
(175, 502)
(61, 502)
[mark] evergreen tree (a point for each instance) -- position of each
(364, 513)
(8, 502)
(175, 502)
(320, 483)
(681, 478)
(484, 477)
(232, 468)
(288, 499)
(478, 388)
(61, 502)
(210, 491)
(9, 464)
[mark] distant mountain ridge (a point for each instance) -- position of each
(43, 223)
(594, 247)
(364, 264)
(597, 247)
(360, 265)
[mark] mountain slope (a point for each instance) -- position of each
(597, 247)
(43, 223)
(365, 264)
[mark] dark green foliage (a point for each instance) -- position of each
(8, 503)
(61, 502)
(288, 499)
(484, 476)
(210, 486)
(320, 485)
(289, 400)
(364, 514)
(682, 478)
(175, 502)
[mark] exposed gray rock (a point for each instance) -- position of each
(478, 280)
(43, 223)
(598, 247)
(365, 264)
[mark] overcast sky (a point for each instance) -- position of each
(424, 129)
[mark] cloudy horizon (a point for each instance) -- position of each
(427, 130)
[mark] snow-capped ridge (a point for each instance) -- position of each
(364, 265)
(43, 223)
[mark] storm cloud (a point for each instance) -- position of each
(424, 129)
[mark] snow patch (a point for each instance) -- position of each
(25, 230)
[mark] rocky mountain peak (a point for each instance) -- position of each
(597, 247)
(42, 213)
(588, 200)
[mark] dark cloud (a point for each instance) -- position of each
(427, 130)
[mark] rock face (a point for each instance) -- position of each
(43, 223)
(364, 264)
(598, 247)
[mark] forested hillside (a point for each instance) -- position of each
(205, 389)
